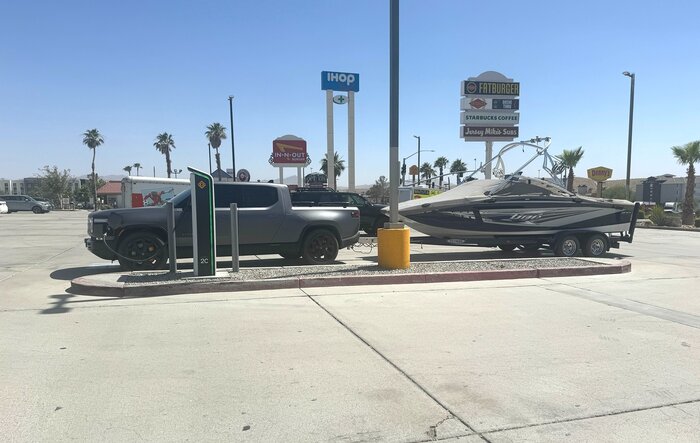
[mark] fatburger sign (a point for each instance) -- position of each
(600, 174)
(289, 151)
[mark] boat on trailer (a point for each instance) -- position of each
(518, 211)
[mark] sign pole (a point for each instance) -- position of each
(330, 151)
(351, 141)
(488, 155)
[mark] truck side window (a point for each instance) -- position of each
(246, 196)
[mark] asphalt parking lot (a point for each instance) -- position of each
(602, 358)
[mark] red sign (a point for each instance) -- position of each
(289, 151)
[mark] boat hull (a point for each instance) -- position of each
(518, 219)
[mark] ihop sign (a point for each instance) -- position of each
(340, 81)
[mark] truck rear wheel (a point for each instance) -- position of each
(141, 251)
(320, 247)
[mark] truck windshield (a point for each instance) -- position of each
(182, 199)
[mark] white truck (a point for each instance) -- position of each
(138, 192)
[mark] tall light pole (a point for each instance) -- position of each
(629, 134)
(233, 149)
(418, 137)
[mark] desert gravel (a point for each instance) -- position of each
(341, 270)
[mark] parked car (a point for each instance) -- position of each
(3, 207)
(371, 216)
(267, 224)
(24, 203)
(48, 203)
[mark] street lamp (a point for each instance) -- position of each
(176, 172)
(629, 134)
(418, 137)
(403, 165)
(233, 150)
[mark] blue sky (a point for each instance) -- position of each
(134, 69)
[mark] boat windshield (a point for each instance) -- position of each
(518, 186)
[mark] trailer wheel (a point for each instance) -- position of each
(506, 248)
(566, 246)
(596, 245)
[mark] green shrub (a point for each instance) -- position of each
(657, 215)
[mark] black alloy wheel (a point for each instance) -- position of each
(140, 251)
(320, 247)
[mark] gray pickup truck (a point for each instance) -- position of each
(268, 224)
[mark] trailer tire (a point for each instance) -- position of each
(566, 246)
(596, 245)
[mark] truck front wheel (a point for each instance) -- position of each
(141, 251)
(320, 247)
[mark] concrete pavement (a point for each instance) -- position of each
(594, 358)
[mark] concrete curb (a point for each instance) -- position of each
(89, 286)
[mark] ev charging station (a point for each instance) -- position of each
(203, 223)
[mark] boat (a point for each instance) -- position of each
(515, 210)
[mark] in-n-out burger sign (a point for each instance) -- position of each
(289, 151)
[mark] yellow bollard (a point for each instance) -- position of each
(394, 248)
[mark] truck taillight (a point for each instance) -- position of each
(355, 214)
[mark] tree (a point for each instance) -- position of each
(688, 154)
(54, 184)
(458, 167)
(164, 144)
(569, 159)
(617, 191)
(92, 139)
(427, 172)
(84, 193)
(215, 133)
(441, 163)
(138, 167)
(127, 169)
(379, 192)
(338, 165)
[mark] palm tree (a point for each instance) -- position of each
(127, 169)
(688, 154)
(569, 159)
(441, 163)
(215, 133)
(92, 139)
(164, 143)
(458, 167)
(427, 172)
(338, 165)
(137, 166)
